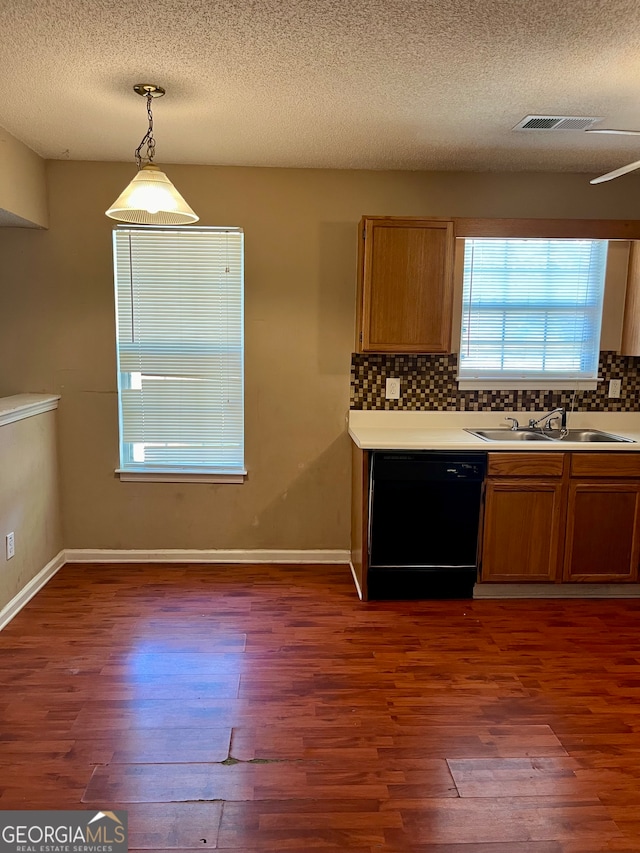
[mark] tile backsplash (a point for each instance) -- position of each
(428, 382)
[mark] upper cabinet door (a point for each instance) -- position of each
(631, 323)
(405, 288)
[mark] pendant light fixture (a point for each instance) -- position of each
(150, 198)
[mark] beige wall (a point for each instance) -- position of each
(23, 192)
(57, 335)
(29, 500)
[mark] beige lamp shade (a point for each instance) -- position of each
(151, 199)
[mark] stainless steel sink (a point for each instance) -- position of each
(588, 435)
(509, 434)
(524, 434)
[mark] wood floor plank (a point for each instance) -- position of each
(519, 777)
(154, 746)
(308, 825)
(519, 819)
(173, 826)
(268, 779)
(482, 847)
(264, 708)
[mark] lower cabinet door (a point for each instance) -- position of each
(522, 523)
(603, 541)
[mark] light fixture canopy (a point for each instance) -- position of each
(150, 198)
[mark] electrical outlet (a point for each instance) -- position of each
(11, 545)
(392, 389)
(614, 387)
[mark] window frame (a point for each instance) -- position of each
(498, 379)
(129, 470)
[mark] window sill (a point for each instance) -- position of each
(527, 384)
(184, 476)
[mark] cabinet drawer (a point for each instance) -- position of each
(605, 465)
(526, 464)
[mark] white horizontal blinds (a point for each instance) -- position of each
(532, 309)
(179, 296)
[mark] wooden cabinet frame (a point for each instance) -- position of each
(551, 484)
(590, 517)
(405, 304)
(405, 285)
(523, 517)
(522, 535)
(578, 229)
(603, 531)
(360, 519)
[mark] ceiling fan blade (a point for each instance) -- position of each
(616, 173)
(612, 130)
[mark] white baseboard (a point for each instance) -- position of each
(107, 555)
(185, 555)
(26, 593)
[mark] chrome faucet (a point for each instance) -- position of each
(533, 423)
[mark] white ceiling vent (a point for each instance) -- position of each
(556, 123)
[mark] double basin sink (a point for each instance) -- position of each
(531, 434)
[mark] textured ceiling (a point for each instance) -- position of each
(377, 84)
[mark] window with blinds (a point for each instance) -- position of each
(531, 312)
(180, 344)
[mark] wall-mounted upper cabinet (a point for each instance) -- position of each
(405, 285)
(631, 325)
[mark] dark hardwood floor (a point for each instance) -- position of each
(263, 708)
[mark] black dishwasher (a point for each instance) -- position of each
(424, 515)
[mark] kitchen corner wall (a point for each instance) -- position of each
(57, 335)
(23, 189)
(29, 500)
(428, 383)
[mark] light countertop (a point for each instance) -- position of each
(388, 430)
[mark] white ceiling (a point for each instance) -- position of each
(374, 84)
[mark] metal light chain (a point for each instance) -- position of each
(148, 137)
